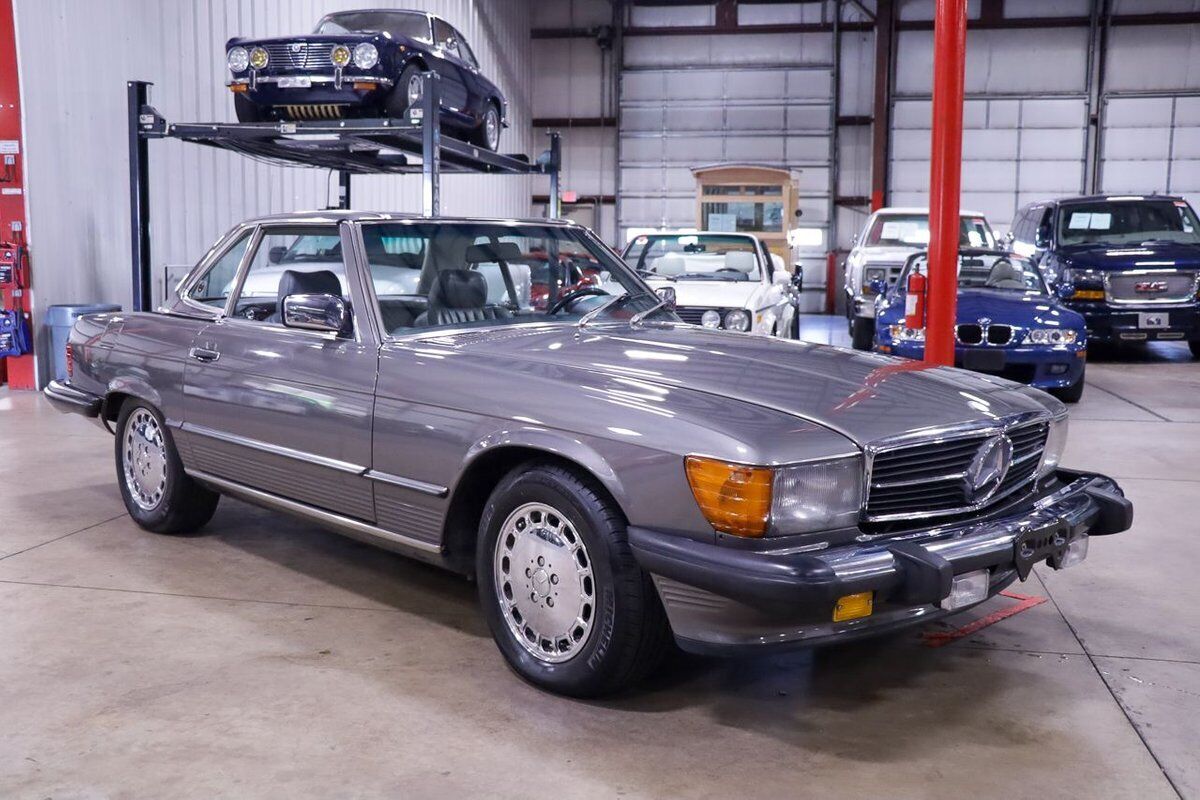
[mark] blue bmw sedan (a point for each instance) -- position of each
(1009, 323)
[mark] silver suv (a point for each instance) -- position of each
(890, 236)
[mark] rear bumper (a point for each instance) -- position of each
(727, 601)
(65, 397)
(1122, 323)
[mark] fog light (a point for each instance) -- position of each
(1076, 552)
(1058, 369)
(967, 590)
(853, 606)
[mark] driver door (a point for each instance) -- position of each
(449, 65)
(278, 409)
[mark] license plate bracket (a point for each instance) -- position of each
(985, 360)
(1035, 545)
(1153, 320)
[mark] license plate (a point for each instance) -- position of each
(295, 83)
(984, 360)
(1154, 319)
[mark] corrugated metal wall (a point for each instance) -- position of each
(76, 56)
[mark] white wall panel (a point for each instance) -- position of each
(1158, 57)
(570, 78)
(1000, 61)
(75, 129)
(571, 14)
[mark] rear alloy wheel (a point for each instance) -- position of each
(158, 494)
(567, 604)
(488, 133)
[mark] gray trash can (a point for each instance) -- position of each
(59, 320)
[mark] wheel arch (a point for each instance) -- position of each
(488, 463)
(122, 389)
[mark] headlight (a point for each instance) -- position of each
(259, 58)
(1056, 440)
(711, 319)
(1052, 336)
(340, 55)
(818, 496)
(237, 59)
(903, 334)
(870, 275)
(742, 500)
(737, 320)
(366, 56)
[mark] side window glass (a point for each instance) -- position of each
(464, 51)
(445, 37)
(291, 260)
(214, 288)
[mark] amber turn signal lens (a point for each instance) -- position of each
(238, 87)
(853, 606)
(364, 86)
(734, 498)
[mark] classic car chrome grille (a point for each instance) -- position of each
(893, 273)
(974, 333)
(927, 479)
(1150, 286)
(299, 55)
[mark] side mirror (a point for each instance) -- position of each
(1007, 239)
(667, 294)
(1042, 237)
(782, 277)
(276, 254)
(315, 312)
(1065, 291)
(798, 277)
(879, 285)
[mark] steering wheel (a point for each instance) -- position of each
(573, 295)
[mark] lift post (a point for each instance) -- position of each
(945, 178)
(383, 146)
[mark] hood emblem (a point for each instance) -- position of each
(1150, 287)
(297, 47)
(987, 470)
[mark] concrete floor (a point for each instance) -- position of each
(264, 657)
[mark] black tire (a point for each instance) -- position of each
(479, 135)
(181, 505)
(628, 632)
(1194, 346)
(862, 333)
(1072, 393)
(246, 110)
(397, 103)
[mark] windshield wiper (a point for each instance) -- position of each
(637, 318)
(624, 297)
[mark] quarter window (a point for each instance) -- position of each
(215, 286)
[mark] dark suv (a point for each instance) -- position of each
(1129, 264)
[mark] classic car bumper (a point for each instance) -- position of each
(1126, 323)
(66, 397)
(724, 600)
(274, 90)
(1040, 366)
(862, 305)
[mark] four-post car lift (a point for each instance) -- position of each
(350, 146)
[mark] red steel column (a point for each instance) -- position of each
(945, 178)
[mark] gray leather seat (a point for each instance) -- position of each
(459, 296)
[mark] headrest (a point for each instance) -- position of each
(458, 288)
(319, 282)
(488, 253)
(1005, 275)
(670, 264)
(741, 260)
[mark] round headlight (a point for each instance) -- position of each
(259, 58)
(1038, 336)
(737, 320)
(366, 56)
(340, 55)
(237, 59)
(711, 319)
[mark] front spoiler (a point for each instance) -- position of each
(721, 599)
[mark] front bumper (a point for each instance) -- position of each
(66, 397)
(1124, 323)
(333, 89)
(725, 601)
(1040, 366)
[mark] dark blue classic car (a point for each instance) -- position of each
(365, 64)
(1131, 263)
(1009, 323)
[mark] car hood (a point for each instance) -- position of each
(711, 294)
(864, 396)
(350, 39)
(1008, 308)
(1149, 255)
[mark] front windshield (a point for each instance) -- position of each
(440, 274)
(993, 270)
(912, 230)
(692, 256)
(1127, 222)
(398, 23)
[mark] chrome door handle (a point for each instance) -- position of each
(203, 354)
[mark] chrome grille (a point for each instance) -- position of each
(1174, 286)
(927, 479)
(313, 55)
(893, 273)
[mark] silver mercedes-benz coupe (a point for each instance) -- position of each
(611, 477)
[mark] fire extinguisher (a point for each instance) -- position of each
(914, 301)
